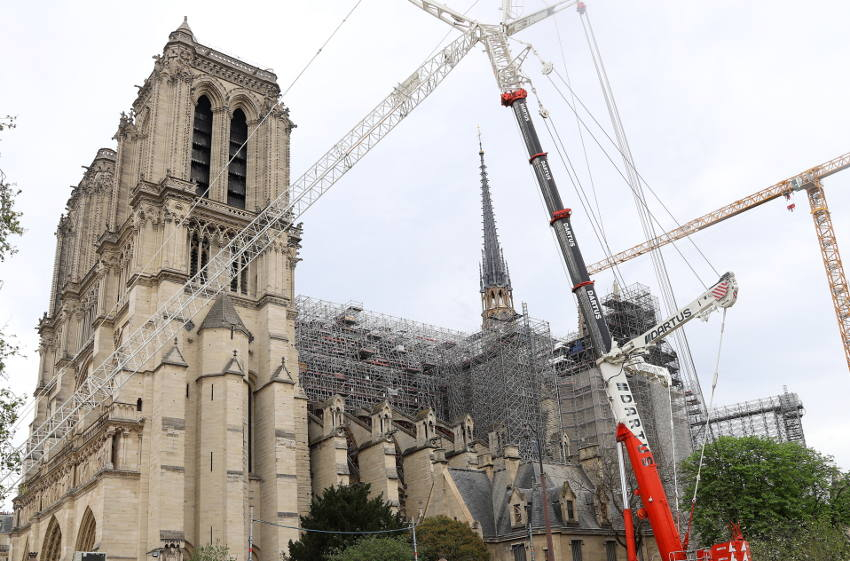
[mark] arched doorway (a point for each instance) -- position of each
(85, 536)
(51, 549)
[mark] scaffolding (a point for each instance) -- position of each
(503, 376)
(586, 414)
(777, 417)
(368, 357)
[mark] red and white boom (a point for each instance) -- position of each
(614, 366)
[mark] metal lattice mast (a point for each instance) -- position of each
(144, 342)
(832, 262)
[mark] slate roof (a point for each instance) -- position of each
(223, 314)
(474, 487)
(488, 502)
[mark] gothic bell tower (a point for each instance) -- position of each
(497, 302)
(215, 425)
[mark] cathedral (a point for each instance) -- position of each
(264, 399)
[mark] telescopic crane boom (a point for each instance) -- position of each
(614, 367)
(614, 361)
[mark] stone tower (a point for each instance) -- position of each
(497, 303)
(216, 423)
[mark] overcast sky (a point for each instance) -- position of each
(719, 99)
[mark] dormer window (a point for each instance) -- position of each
(519, 509)
(568, 504)
(202, 146)
(238, 157)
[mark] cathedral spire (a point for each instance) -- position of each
(496, 293)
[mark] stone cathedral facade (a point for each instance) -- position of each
(214, 423)
(218, 423)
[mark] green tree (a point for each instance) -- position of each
(770, 488)
(10, 404)
(10, 224)
(341, 509)
(375, 548)
(212, 552)
(440, 536)
(811, 541)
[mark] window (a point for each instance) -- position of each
(250, 420)
(517, 515)
(238, 158)
(518, 550)
(89, 315)
(571, 511)
(202, 146)
(610, 551)
(576, 549)
(199, 255)
(239, 273)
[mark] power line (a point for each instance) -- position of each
(343, 532)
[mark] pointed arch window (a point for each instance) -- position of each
(239, 273)
(202, 146)
(199, 254)
(238, 157)
(250, 423)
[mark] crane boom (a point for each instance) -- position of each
(614, 366)
(140, 345)
(808, 181)
(722, 294)
(784, 187)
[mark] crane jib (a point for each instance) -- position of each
(668, 325)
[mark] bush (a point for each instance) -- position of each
(440, 536)
(375, 548)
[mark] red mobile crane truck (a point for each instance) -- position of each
(614, 362)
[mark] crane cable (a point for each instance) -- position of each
(574, 108)
(611, 160)
(639, 175)
(707, 423)
(656, 255)
(566, 162)
(337, 532)
(674, 459)
(29, 406)
(578, 126)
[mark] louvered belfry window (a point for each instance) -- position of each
(202, 146)
(238, 157)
